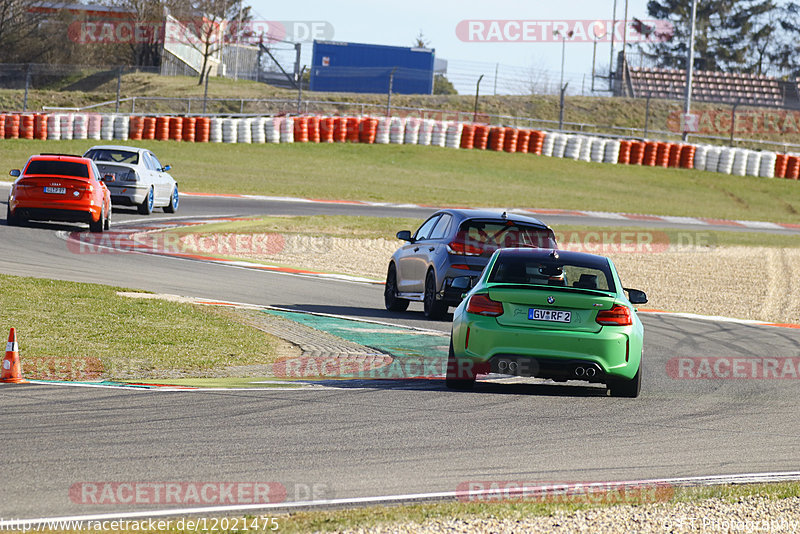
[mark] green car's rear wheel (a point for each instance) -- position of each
(455, 377)
(627, 388)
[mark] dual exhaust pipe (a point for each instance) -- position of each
(588, 372)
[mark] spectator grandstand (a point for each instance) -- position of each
(710, 86)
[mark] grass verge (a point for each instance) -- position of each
(76, 331)
(445, 177)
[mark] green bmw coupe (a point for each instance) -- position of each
(549, 314)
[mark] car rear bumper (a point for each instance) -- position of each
(128, 195)
(611, 352)
(58, 214)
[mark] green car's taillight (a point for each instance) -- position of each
(481, 304)
(616, 316)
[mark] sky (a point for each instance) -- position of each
(398, 22)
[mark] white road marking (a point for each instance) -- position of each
(712, 480)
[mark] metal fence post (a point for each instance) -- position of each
(647, 114)
(119, 86)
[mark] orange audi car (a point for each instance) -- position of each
(59, 187)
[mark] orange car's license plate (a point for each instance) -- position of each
(56, 190)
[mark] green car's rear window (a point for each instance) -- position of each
(58, 168)
(521, 270)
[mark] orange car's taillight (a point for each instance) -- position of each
(616, 316)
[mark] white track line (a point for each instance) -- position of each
(746, 478)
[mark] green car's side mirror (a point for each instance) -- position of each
(635, 296)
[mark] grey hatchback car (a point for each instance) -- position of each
(451, 244)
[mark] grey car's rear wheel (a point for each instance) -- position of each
(390, 299)
(627, 388)
(146, 207)
(434, 309)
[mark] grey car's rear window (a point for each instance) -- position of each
(58, 168)
(534, 271)
(487, 236)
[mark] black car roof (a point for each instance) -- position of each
(564, 256)
(464, 214)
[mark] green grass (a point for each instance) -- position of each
(76, 331)
(437, 176)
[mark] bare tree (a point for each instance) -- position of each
(148, 16)
(216, 23)
(20, 39)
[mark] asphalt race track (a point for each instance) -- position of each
(364, 440)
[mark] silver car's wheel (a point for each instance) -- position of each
(146, 207)
(174, 200)
(434, 309)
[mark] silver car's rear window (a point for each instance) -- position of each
(113, 156)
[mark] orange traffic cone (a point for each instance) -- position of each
(12, 370)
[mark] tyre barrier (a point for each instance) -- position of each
(536, 144)
(287, 130)
(425, 132)
(468, 136)
(453, 136)
(188, 129)
(411, 132)
(439, 133)
(726, 157)
(686, 159)
(399, 130)
(523, 139)
(382, 132)
(572, 150)
(793, 167)
(175, 128)
(637, 153)
(624, 152)
(598, 150)
(497, 138)
(313, 129)
(781, 160)
(611, 154)
(482, 133)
